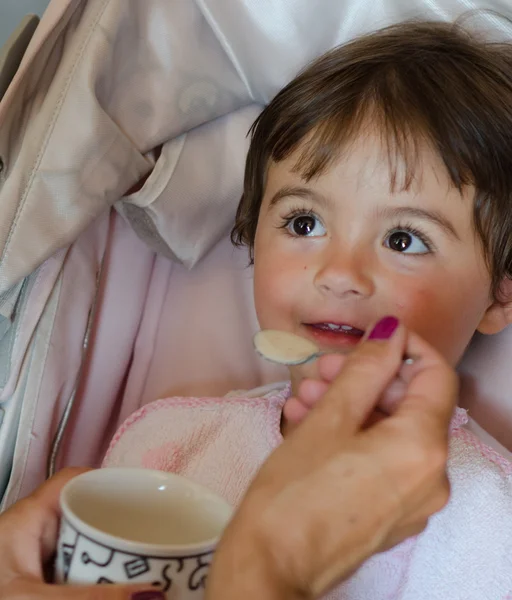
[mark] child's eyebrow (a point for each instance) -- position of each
(433, 216)
(301, 192)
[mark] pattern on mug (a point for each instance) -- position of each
(81, 559)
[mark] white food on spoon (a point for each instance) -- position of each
(290, 349)
(284, 348)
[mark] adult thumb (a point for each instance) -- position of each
(365, 375)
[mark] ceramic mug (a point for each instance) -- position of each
(123, 525)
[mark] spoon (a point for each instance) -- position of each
(287, 348)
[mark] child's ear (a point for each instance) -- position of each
(499, 313)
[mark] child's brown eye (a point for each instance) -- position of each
(407, 242)
(400, 241)
(305, 226)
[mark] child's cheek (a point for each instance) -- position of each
(433, 314)
(278, 288)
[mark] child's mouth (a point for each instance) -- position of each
(334, 334)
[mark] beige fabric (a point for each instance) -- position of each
(13, 50)
(62, 154)
(92, 103)
(191, 196)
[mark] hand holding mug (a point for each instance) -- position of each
(28, 539)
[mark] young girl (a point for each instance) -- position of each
(378, 182)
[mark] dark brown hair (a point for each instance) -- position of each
(417, 81)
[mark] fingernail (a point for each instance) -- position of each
(384, 329)
(149, 595)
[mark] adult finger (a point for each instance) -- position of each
(311, 390)
(295, 410)
(433, 386)
(393, 395)
(330, 365)
(28, 590)
(39, 514)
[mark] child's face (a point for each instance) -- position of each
(344, 250)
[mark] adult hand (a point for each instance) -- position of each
(328, 367)
(339, 490)
(28, 538)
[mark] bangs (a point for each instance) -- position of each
(403, 119)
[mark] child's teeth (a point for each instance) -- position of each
(334, 327)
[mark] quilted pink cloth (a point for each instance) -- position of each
(464, 554)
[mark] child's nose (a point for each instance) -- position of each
(345, 273)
